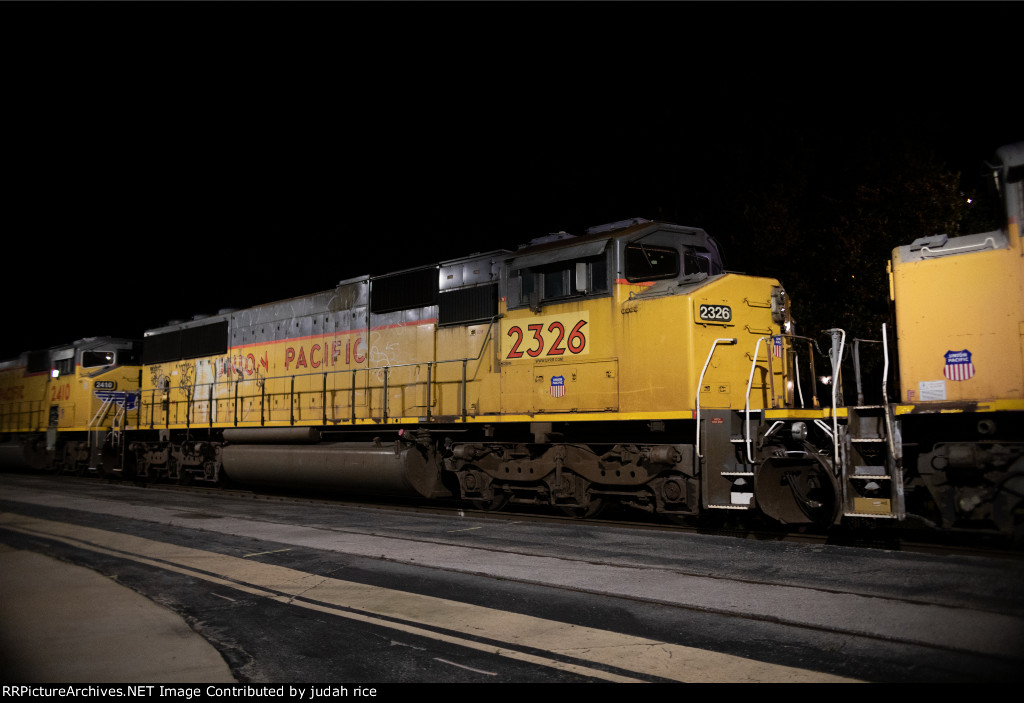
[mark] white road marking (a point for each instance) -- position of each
(469, 668)
(273, 551)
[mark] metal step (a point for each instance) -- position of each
(866, 472)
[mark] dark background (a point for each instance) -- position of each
(169, 160)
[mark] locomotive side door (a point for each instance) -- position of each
(59, 393)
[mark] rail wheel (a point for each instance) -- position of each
(682, 520)
(499, 501)
(63, 463)
(477, 488)
(592, 508)
(80, 468)
(175, 474)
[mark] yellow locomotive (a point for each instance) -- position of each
(567, 373)
(621, 366)
(959, 419)
(66, 406)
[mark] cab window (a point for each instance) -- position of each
(92, 359)
(561, 280)
(645, 262)
(696, 263)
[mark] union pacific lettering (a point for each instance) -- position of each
(12, 393)
(306, 354)
(314, 355)
(243, 365)
(323, 355)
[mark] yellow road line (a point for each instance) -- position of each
(412, 613)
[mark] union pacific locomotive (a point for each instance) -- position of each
(621, 366)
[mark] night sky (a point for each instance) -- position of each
(170, 160)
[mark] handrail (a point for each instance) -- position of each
(987, 243)
(885, 392)
(13, 414)
(746, 405)
(836, 357)
(856, 364)
(896, 467)
(192, 391)
(101, 413)
(796, 369)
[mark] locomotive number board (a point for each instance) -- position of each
(714, 313)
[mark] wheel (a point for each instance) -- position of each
(592, 509)
(496, 503)
(170, 471)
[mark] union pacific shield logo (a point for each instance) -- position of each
(958, 365)
(557, 386)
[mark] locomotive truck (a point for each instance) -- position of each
(621, 366)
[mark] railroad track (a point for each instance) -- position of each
(894, 539)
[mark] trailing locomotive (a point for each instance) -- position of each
(958, 421)
(621, 366)
(63, 408)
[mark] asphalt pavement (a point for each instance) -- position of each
(61, 622)
(97, 631)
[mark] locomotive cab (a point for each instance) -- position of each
(81, 395)
(610, 347)
(86, 376)
(92, 393)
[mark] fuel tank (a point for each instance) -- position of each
(355, 467)
(15, 456)
(24, 453)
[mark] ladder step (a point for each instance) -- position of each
(869, 471)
